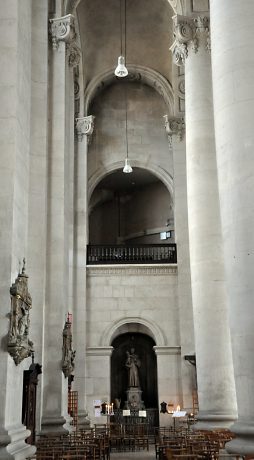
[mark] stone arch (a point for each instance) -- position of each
(163, 175)
(133, 324)
(137, 73)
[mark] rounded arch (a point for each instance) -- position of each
(100, 173)
(133, 324)
(142, 74)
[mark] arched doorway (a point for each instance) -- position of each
(143, 345)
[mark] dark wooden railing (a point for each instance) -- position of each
(138, 254)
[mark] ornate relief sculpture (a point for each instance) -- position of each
(174, 126)
(189, 32)
(19, 346)
(68, 357)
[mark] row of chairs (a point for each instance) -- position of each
(92, 443)
(183, 444)
(83, 445)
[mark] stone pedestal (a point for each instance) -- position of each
(134, 399)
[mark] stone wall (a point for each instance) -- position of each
(137, 296)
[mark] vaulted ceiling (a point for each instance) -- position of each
(148, 35)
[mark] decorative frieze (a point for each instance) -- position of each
(84, 127)
(18, 343)
(189, 33)
(62, 29)
(174, 127)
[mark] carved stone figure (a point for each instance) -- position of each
(133, 364)
(68, 358)
(19, 346)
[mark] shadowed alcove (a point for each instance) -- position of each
(143, 345)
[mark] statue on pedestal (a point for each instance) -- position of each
(134, 392)
(133, 364)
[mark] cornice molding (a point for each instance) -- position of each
(124, 270)
(174, 350)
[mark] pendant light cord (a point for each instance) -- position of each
(121, 29)
(125, 32)
(126, 124)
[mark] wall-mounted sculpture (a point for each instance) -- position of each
(19, 345)
(68, 358)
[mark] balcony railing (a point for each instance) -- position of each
(135, 254)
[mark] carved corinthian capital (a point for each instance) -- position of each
(84, 127)
(189, 32)
(174, 127)
(62, 29)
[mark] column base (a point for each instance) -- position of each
(213, 421)
(83, 420)
(244, 441)
(13, 445)
(58, 425)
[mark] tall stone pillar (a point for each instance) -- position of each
(216, 390)
(55, 385)
(84, 129)
(233, 87)
(175, 129)
(15, 95)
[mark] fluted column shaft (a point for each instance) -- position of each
(216, 391)
(233, 86)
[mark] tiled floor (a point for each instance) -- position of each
(140, 455)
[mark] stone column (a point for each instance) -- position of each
(175, 129)
(84, 129)
(15, 95)
(216, 390)
(233, 86)
(55, 385)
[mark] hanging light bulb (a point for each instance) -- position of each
(121, 70)
(127, 167)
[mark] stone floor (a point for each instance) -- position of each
(140, 455)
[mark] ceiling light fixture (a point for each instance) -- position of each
(121, 70)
